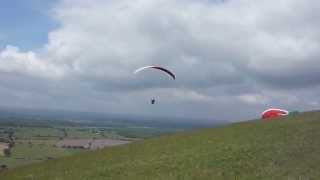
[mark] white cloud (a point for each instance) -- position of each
(101, 38)
(249, 52)
(14, 61)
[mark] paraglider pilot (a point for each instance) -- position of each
(173, 76)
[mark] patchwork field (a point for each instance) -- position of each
(39, 141)
(36, 144)
(91, 144)
(33, 150)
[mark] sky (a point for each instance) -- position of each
(232, 58)
(25, 23)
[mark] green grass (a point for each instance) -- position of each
(287, 149)
(141, 132)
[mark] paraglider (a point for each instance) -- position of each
(271, 113)
(160, 69)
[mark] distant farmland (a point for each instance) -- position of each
(36, 144)
(38, 140)
(91, 144)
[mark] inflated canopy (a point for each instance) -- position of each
(273, 113)
(168, 72)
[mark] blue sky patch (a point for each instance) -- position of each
(25, 23)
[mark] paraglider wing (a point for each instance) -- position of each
(156, 67)
(273, 113)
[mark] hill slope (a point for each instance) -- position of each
(285, 149)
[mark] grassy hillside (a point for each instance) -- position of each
(285, 149)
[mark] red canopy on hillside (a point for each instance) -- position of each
(273, 113)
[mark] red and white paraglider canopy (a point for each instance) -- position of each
(167, 71)
(273, 113)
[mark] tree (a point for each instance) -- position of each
(7, 152)
(3, 167)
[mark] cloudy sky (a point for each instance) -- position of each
(232, 58)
